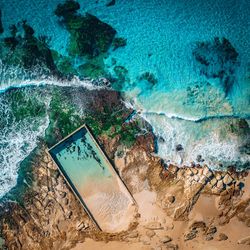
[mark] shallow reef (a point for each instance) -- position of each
(119, 42)
(22, 48)
(89, 36)
(149, 77)
(217, 59)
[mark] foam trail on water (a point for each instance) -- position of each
(209, 138)
(75, 82)
(18, 77)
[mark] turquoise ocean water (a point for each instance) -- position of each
(185, 107)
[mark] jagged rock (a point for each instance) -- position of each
(209, 237)
(196, 178)
(173, 169)
(171, 199)
(227, 179)
(198, 225)
(207, 172)
(51, 165)
(213, 182)
(68, 214)
(220, 185)
(63, 194)
(80, 226)
(211, 230)
(133, 234)
(180, 211)
(172, 246)
(46, 159)
(169, 226)
(150, 233)
(218, 176)
(89, 35)
(166, 239)
(154, 226)
(222, 236)
(189, 172)
(179, 147)
(245, 240)
(190, 235)
(203, 180)
(194, 170)
(65, 201)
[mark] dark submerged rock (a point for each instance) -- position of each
(217, 59)
(67, 9)
(1, 24)
(111, 3)
(27, 50)
(89, 35)
(179, 147)
(148, 76)
(119, 42)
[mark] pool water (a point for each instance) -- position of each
(92, 178)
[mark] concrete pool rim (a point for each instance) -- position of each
(70, 183)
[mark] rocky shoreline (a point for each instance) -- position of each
(50, 216)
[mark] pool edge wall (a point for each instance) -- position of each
(70, 183)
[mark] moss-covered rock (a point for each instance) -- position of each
(64, 64)
(63, 116)
(93, 68)
(120, 77)
(25, 106)
(89, 35)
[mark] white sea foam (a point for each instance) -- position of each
(210, 138)
(17, 140)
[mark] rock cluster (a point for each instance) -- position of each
(52, 218)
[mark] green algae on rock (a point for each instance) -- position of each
(26, 50)
(25, 106)
(63, 116)
(93, 68)
(64, 64)
(89, 36)
(120, 77)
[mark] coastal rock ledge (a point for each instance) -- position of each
(175, 205)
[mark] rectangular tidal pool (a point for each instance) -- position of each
(94, 181)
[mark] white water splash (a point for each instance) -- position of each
(17, 140)
(210, 138)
